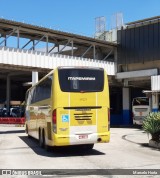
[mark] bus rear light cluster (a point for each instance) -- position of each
(54, 117)
(54, 120)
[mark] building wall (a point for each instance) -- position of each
(139, 44)
(138, 49)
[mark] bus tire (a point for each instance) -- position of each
(47, 148)
(27, 132)
(41, 141)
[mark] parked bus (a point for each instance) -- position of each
(140, 109)
(69, 106)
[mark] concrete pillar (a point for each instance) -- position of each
(34, 77)
(8, 95)
(115, 60)
(126, 106)
(155, 102)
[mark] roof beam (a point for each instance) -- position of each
(37, 43)
(86, 51)
(13, 31)
(26, 44)
(64, 47)
(108, 55)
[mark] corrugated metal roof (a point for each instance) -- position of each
(76, 37)
(143, 22)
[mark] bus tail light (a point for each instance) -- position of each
(54, 120)
(54, 117)
(108, 119)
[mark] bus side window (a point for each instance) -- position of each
(29, 97)
(32, 94)
(43, 90)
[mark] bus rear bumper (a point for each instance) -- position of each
(63, 140)
(138, 120)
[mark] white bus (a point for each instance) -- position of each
(140, 109)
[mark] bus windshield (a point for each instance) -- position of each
(81, 80)
(141, 101)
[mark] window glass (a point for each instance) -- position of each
(81, 80)
(140, 101)
(42, 91)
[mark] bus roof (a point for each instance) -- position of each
(79, 67)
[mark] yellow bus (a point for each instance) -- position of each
(69, 106)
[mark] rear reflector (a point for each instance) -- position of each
(54, 120)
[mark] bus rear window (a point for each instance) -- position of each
(81, 80)
(141, 101)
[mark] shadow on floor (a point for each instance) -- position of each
(66, 151)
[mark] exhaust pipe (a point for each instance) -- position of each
(99, 140)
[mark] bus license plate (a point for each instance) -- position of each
(83, 136)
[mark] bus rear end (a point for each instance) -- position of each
(80, 107)
(140, 109)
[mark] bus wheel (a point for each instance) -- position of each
(47, 148)
(41, 141)
(27, 132)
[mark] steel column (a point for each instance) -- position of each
(46, 43)
(5, 41)
(33, 47)
(8, 95)
(72, 48)
(94, 52)
(18, 38)
(58, 48)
